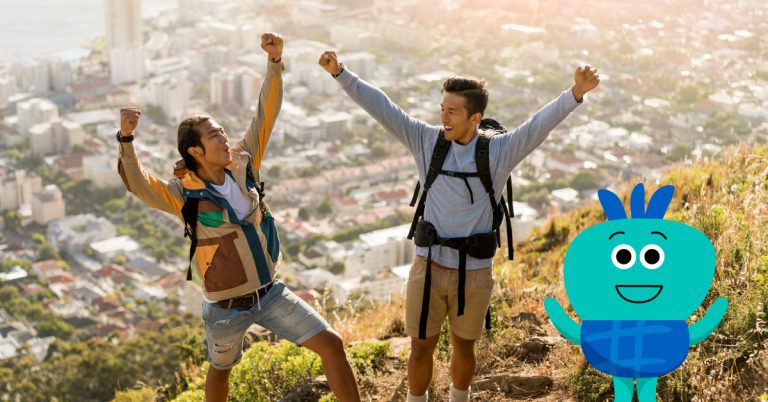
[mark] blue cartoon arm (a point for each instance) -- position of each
(564, 324)
(701, 329)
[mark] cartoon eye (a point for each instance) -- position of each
(652, 256)
(623, 256)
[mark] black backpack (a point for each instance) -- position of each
(481, 245)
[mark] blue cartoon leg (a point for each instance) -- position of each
(646, 389)
(623, 388)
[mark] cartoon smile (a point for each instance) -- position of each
(639, 293)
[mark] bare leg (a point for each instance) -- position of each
(341, 378)
(217, 385)
(420, 364)
(462, 361)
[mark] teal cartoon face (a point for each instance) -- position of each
(638, 269)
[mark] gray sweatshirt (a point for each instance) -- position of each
(448, 205)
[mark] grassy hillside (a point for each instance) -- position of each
(727, 200)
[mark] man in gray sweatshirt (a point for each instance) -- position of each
(450, 207)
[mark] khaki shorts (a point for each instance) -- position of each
(444, 300)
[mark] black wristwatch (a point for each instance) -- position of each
(340, 71)
(123, 138)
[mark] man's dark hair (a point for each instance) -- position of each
(472, 90)
(189, 136)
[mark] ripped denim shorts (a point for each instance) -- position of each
(279, 311)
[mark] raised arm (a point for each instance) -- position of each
(520, 142)
(155, 192)
(562, 322)
(271, 98)
(701, 329)
(374, 101)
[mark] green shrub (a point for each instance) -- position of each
(367, 358)
(143, 394)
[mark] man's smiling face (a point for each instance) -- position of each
(458, 124)
(638, 269)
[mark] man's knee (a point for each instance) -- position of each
(327, 343)
(423, 348)
(461, 346)
(219, 373)
(333, 341)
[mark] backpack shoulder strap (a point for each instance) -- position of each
(500, 209)
(189, 214)
(482, 160)
(439, 152)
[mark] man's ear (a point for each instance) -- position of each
(476, 118)
(196, 151)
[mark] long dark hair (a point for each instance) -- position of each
(189, 136)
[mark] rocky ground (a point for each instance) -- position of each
(505, 372)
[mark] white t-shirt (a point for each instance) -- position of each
(239, 201)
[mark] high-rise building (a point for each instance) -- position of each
(240, 85)
(123, 23)
(127, 59)
(32, 76)
(17, 189)
(171, 93)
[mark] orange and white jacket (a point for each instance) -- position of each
(233, 257)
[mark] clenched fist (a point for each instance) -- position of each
(272, 43)
(585, 79)
(330, 62)
(129, 119)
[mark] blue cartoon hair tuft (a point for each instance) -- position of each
(611, 205)
(637, 201)
(657, 206)
(659, 202)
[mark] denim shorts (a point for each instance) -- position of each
(279, 311)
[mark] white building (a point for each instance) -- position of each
(74, 233)
(241, 86)
(127, 65)
(61, 74)
(171, 93)
(108, 249)
(32, 76)
(350, 37)
(402, 35)
(380, 251)
(35, 111)
(47, 205)
(127, 59)
(526, 217)
(565, 198)
(381, 287)
(122, 21)
(55, 137)
(17, 188)
(101, 171)
(7, 87)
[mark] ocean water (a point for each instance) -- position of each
(30, 28)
